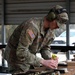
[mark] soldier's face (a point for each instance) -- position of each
(53, 25)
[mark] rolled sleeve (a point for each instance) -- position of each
(46, 50)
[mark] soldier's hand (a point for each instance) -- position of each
(52, 63)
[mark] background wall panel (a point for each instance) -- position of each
(31, 1)
(0, 11)
(72, 12)
(19, 10)
(16, 11)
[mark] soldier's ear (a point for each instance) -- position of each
(51, 15)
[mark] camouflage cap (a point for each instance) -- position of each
(62, 16)
(58, 7)
(62, 12)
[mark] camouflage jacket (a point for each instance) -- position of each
(28, 39)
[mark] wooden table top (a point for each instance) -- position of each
(71, 70)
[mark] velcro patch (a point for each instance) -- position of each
(30, 32)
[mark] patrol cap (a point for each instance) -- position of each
(62, 16)
(61, 12)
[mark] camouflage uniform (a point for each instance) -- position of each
(26, 40)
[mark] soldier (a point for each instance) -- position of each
(32, 36)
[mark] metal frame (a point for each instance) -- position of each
(67, 28)
(3, 28)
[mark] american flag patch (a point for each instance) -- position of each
(30, 32)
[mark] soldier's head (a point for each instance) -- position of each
(59, 14)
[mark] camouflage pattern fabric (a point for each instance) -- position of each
(26, 40)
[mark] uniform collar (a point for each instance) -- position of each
(41, 27)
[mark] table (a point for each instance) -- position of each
(71, 70)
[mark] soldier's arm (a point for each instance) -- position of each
(46, 50)
(23, 52)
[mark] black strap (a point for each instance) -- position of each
(59, 11)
